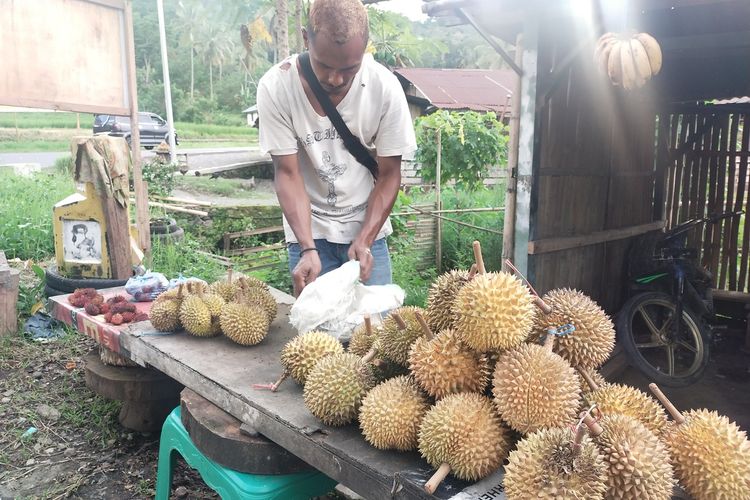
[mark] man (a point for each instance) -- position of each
(334, 209)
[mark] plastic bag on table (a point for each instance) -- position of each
(336, 302)
(147, 287)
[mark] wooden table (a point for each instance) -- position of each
(224, 373)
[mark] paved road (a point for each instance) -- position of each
(197, 157)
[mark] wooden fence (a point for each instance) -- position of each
(705, 152)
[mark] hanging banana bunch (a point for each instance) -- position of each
(629, 62)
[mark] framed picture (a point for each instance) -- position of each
(82, 241)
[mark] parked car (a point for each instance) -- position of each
(153, 128)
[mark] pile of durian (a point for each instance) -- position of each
(241, 309)
(488, 362)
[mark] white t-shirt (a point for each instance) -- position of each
(374, 109)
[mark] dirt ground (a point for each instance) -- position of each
(78, 450)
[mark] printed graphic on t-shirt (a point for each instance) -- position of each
(328, 173)
(320, 135)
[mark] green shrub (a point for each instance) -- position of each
(26, 207)
(159, 177)
(183, 258)
(415, 284)
(65, 166)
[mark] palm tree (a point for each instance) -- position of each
(216, 46)
(282, 29)
(190, 15)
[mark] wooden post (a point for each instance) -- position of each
(8, 297)
(78, 121)
(509, 220)
(141, 192)
(439, 242)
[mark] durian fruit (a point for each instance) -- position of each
(443, 365)
(398, 332)
(195, 316)
(247, 282)
(245, 324)
(595, 377)
(535, 388)
(626, 400)
(441, 296)
(493, 311)
(462, 434)
(301, 353)
(391, 414)
(335, 387)
(593, 339)
(215, 304)
(711, 455)
(165, 311)
(226, 289)
(637, 462)
(551, 464)
(260, 297)
(363, 337)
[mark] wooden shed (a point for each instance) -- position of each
(597, 165)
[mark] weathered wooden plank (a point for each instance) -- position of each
(232, 166)
(742, 280)
(728, 255)
(718, 202)
(245, 251)
(254, 232)
(566, 243)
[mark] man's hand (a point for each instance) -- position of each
(361, 252)
(307, 269)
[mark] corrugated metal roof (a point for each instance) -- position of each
(475, 89)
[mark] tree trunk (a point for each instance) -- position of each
(298, 44)
(211, 80)
(282, 28)
(192, 72)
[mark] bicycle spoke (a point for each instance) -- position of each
(650, 345)
(651, 326)
(688, 346)
(670, 360)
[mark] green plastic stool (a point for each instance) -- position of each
(229, 483)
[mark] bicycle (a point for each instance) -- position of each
(667, 282)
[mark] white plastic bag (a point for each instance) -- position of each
(336, 302)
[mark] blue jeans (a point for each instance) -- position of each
(333, 255)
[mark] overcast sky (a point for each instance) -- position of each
(410, 8)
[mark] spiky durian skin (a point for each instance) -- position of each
(711, 456)
(493, 311)
(535, 388)
(440, 299)
(225, 289)
(247, 282)
(301, 353)
(264, 299)
(464, 431)
(195, 316)
(638, 463)
(598, 379)
(391, 413)
(394, 344)
(244, 324)
(594, 337)
(335, 387)
(625, 400)
(361, 342)
(543, 466)
(165, 315)
(443, 366)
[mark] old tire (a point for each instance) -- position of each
(168, 238)
(163, 226)
(68, 285)
(52, 292)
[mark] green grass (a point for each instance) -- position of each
(59, 119)
(183, 258)
(219, 186)
(33, 146)
(26, 207)
(190, 131)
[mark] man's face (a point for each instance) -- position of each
(333, 63)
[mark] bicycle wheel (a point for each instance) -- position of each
(646, 327)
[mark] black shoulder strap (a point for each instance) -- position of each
(351, 142)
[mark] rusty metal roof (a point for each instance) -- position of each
(474, 89)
